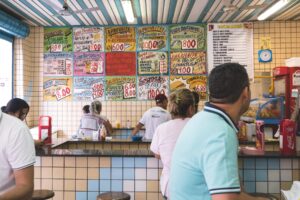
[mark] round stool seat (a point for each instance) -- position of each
(268, 196)
(113, 196)
(42, 194)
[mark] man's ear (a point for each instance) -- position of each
(246, 94)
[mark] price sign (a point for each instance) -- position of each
(189, 44)
(129, 90)
(62, 93)
(200, 88)
(96, 67)
(153, 92)
(185, 70)
(56, 48)
(163, 68)
(95, 47)
(98, 90)
(118, 47)
(150, 45)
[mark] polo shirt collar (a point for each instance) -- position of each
(216, 110)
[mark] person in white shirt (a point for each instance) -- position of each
(181, 107)
(17, 157)
(153, 117)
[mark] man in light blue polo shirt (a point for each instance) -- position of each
(204, 163)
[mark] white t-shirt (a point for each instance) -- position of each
(163, 144)
(152, 118)
(16, 149)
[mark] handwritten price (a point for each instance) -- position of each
(98, 90)
(153, 92)
(189, 44)
(129, 90)
(95, 47)
(200, 88)
(185, 70)
(150, 45)
(62, 93)
(118, 47)
(56, 48)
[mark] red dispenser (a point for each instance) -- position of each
(287, 137)
(45, 129)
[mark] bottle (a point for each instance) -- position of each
(287, 138)
(260, 135)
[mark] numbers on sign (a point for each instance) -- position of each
(200, 88)
(153, 92)
(185, 70)
(98, 90)
(129, 90)
(150, 45)
(118, 47)
(95, 47)
(62, 93)
(56, 48)
(189, 44)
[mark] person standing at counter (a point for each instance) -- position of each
(205, 162)
(181, 107)
(17, 157)
(86, 109)
(153, 117)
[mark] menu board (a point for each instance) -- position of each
(120, 88)
(120, 38)
(231, 42)
(194, 83)
(188, 37)
(88, 39)
(152, 38)
(57, 40)
(150, 86)
(89, 63)
(120, 64)
(152, 62)
(188, 62)
(58, 64)
(88, 88)
(56, 89)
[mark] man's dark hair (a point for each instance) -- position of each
(15, 105)
(226, 82)
(86, 109)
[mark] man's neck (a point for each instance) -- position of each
(231, 110)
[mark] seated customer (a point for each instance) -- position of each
(181, 107)
(17, 157)
(93, 121)
(86, 109)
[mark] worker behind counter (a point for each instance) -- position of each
(153, 117)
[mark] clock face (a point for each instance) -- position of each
(265, 55)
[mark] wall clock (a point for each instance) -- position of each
(265, 55)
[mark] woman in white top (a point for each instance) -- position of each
(181, 107)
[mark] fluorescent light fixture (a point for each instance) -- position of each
(127, 7)
(273, 9)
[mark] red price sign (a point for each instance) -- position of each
(153, 92)
(185, 70)
(56, 48)
(95, 47)
(150, 45)
(129, 90)
(62, 93)
(200, 88)
(118, 47)
(189, 44)
(98, 90)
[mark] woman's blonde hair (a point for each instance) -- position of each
(180, 102)
(96, 107)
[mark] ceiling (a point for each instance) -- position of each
(110, 12)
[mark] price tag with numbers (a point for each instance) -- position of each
(200, 88)
(189, 44)
(150, 45)
(129, 90)
(185, 70)
(62, 93)
(56, 48)
(95, 47)
(98, 90)
(163, 67)
(96, 67)
(118, 47)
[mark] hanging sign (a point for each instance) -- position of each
(120, 38)
(57, 40)
(57, 88)
(120, 63)
(89, 63)
(120, 88)
(88, 39)
(88, 88)
(58, 64)
(152, 63)
(150, 86)
(152, 38)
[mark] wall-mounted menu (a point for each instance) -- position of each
(150, 86)
(57, 88)
(188, 62)
(88, 63)
(152, 38)
(194, 83)
(120, 64)
(120, 88)
(188, 37)
(58, 64)
(152, 63)
(88, 88)
(231, 42)
(120, 38)
(57, 40)
(88, 39)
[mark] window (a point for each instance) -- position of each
(6, 69)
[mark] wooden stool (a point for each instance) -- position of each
(113, 196)
(42, 194)
(265, 195)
